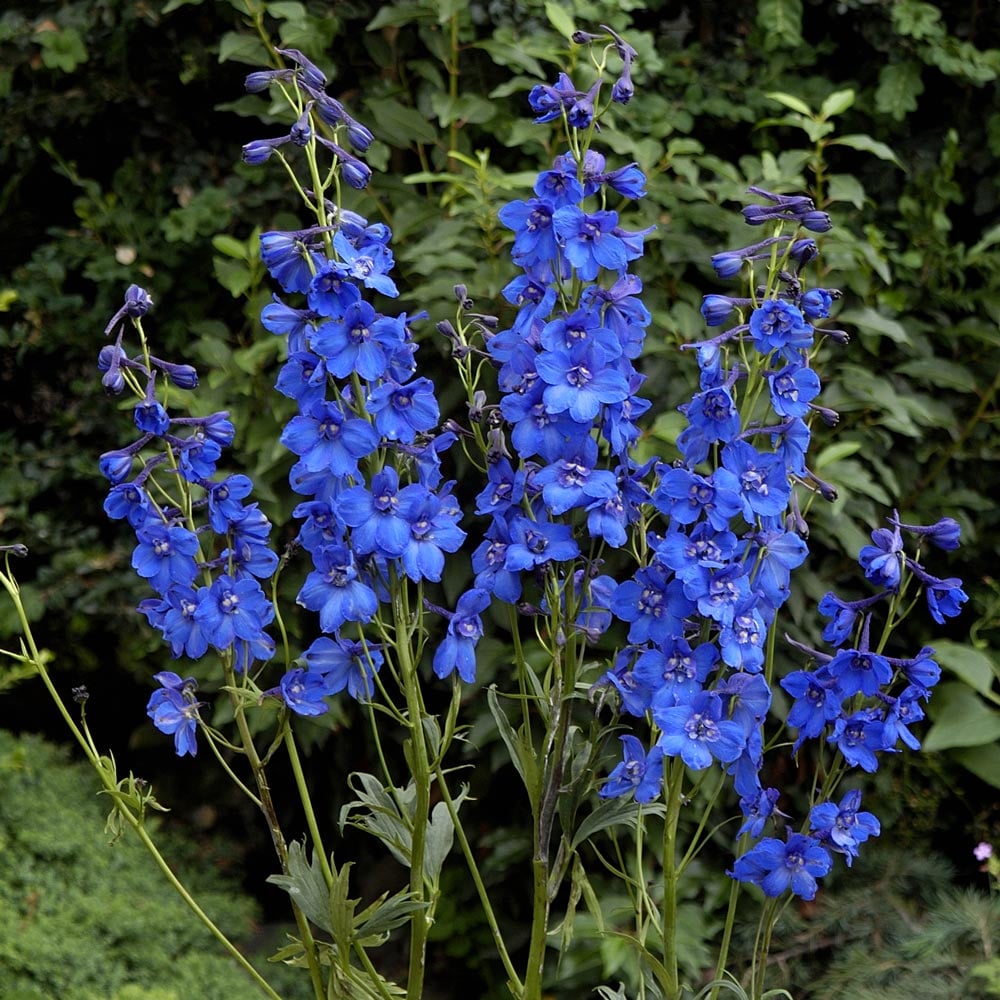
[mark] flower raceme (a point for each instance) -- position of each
(713, 533)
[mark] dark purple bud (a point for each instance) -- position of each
(829, 417)
(623, 90)
(841, 337)
(18, 549)
(262, 79)
(311, 74)
(137, 301)
(115, 465)
(358, 136)
(446, 329)
(815, 222)
(259, 150)
(183, 376)
(301, 131)
(945, 534)
(803, 251)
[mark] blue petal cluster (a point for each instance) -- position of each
(203, 556)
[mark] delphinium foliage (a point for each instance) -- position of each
(639, 596)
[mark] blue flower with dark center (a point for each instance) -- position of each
(402, 412)
(697, 733)
(355, 343)
(685, 497)
(535, 543)
(465, 628)
(327, 440)
(535, 239)
(224, 498)
(368, 264)
(433, 530)
(653, 605)
(579, 381)
(174, 710)
(760, 480)
(165, 555)
(126, 500)
(374, 515)
(843, 827)
(792, 390)
(589, 241)
(674, 671)
(233, 609)
(345, 664)
(817, 702)
(859, 737)
(639, 772)
(777, 867)
(304, 692)
(179, 625)
(336, 591)
(777, 325)
(883, 561)
(489, 563)
(574, 481)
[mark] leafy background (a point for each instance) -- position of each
(119, 163)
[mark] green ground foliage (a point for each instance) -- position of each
(83, 917)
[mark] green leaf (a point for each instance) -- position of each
(398, 124)
(230, 246)
(789, 101)
(611, 812)
(866, 144)
(306, 885)
(382, 917)
(846, 187)
(837, 103)
(899, 86)
(982, 761)
(464, 108)
(287, 10)
(522, 754)
(63, 49)
(780, 22)
(559, 18)
(868, 319)
(238, 47)
(836, 452)
(917, 19)
(940, 372)
(439, 840)
(973, 666)
(234, 276)
(960, 719)
(398, 14)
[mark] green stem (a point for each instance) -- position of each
(420, 772)
(674, 787)
(303, 788)
(477, 879)
(727, 936)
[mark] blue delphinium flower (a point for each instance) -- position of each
(345, 664)
(233, 610)
(465, 628)
(640, 773)
(778, 866)
(697, 733)
(843, 827)
(174, 710)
